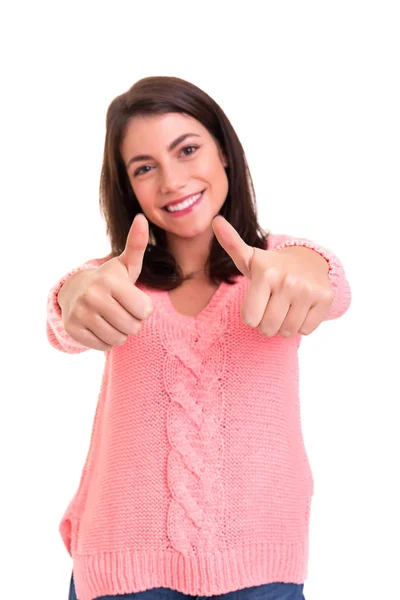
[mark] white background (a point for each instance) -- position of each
(312, 89)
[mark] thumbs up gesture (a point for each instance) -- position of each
(288, 293)
(104, 307)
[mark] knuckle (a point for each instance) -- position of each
(307, 289)
(88, 297)
(271, 275)
(296, 284)
(291, 283)
(329, 296)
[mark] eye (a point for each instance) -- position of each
(186, 147)
(139, 171)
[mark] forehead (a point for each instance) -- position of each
(153, 130)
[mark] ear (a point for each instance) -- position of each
(223, 157)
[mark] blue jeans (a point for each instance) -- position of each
(267, 591)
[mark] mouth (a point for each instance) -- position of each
(185, 206)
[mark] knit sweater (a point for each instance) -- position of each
(197, 477)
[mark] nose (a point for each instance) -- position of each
(173, 178)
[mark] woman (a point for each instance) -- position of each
(196, 482)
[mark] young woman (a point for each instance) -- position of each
(197, 481)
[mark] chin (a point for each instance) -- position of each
(188, 234)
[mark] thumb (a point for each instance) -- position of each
(136, 243)
(240, 252)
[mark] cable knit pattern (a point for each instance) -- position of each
(193, 418)
(197, 476)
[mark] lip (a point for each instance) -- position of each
(185, 211)
(173, 202)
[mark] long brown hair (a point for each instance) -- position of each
(119, 205)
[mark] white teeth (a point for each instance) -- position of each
(184, 204)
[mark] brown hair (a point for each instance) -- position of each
(119, 205)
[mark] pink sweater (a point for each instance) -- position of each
(197, 477)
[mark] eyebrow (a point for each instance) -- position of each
(170, 148)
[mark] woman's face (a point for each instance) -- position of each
(159, 173)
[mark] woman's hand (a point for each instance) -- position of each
(289, 292)
(104, 306)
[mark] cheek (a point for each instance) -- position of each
(213, 171)
(143, 193)
(221, 177)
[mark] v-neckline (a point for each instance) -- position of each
(203, 314)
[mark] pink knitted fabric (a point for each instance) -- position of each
(196, 477)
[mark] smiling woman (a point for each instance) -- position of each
(197, 480)
(167, 142)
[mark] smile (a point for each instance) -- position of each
(186, 206)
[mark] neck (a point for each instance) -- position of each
(192, 253)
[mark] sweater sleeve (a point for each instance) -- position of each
(336, 273)
(56, 334)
